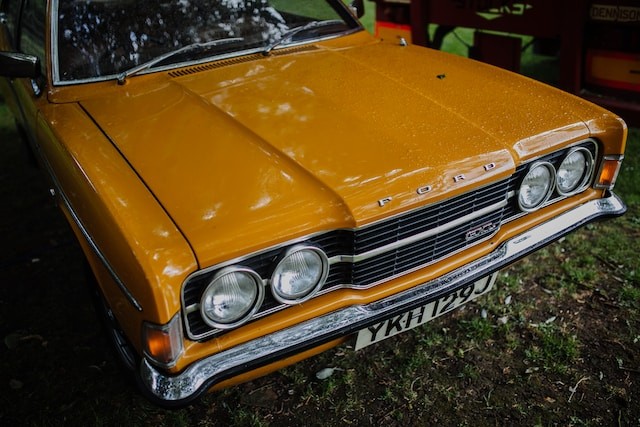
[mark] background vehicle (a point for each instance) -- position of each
(596, 43)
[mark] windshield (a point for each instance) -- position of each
(101, 39)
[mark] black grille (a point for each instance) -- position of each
(384, 266)
(400, 260)
(424, 251)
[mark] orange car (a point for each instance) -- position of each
(254, 181)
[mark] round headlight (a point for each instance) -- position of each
(574, 171)
(232, 297)
(537, 186)
(299, 274)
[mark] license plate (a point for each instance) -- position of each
(423, 314)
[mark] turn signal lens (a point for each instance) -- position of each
(163, 343)
(609, 170)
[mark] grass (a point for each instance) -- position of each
(553, 349)
(630, 293)
(478, 328)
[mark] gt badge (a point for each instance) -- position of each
(480, 231)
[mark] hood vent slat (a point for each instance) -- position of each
(238, 60)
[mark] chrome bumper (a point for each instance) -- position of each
(197, 378)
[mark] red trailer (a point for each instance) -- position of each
(597, 41)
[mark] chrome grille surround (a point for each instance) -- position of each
(368, 256)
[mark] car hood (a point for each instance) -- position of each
(249, 152)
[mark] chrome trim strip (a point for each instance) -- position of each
(98, 252)
(59, 192)
(199, 376)
(53, 40)
(420, 236)
(589, 140)
(67, 203)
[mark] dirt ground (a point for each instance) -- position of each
(558, 342)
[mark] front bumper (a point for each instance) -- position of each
(180, 389)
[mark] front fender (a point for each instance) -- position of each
(138, 254)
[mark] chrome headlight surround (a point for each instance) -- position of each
(576, 169)
(537, 186)
(297, 262)
(235, 288)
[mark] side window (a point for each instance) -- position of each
(32, 28)
(11, 11)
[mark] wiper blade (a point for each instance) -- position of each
(122, 77)
(293, 31)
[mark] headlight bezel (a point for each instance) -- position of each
(291, 251)
(589, 148)
(249, 313)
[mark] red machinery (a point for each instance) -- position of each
(597, 41)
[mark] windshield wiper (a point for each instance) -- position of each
(293, 31)
(122, 77)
